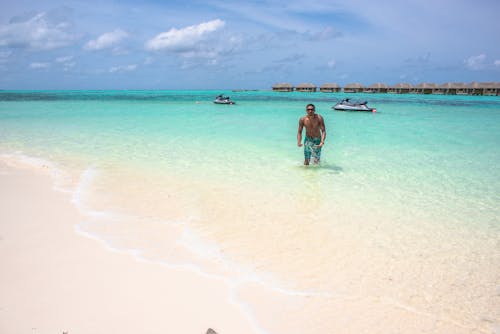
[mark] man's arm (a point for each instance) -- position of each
(323, 131)
(299, 133)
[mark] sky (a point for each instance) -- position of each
(243, 44)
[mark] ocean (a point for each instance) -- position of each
(396, 231)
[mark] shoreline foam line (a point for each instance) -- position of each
(55, 281)
(77, 195)
(190, 241)
(20, 160)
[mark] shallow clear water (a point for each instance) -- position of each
(404, 205)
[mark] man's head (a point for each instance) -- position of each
(310, 109)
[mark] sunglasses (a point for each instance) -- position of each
(310, 108)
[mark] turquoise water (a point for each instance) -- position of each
(402, 188)
(445, 148)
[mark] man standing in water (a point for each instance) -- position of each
(315, 134)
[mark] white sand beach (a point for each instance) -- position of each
(54, 280)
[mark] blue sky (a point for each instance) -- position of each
(215, 44)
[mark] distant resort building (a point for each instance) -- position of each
(474, 88)
(458, 88)
(283, 87)
(305, 87)
(451, 88)
(491, 88)
(376, 88)
(483, 88)
(353, 88)
(448, 88)
(424, 88)
(400, 88)
(330, 88)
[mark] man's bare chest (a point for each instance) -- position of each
(311, 121)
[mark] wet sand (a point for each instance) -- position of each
(54, 280)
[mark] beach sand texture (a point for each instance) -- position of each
(54, 280)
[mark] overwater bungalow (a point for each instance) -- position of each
(490, 88)
(441, 89)
(474, 88)
(330, 88)
(451, 88)
(305, 87)
(400, 88)
(461, 88)
(353, 88)
(424, 88)
(376, 88)
(448, 88)
(283, 87)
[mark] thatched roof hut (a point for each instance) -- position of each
(305, 87)
(460, 88)
(426, 85)
(445, 85)
(378, 87)
(353, 88)
(283, 87)
(473, 84)
(329, 88)
(424, 88)
(490, 88)
(451, 88)
(474, 88)
(400, 88)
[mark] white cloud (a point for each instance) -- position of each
(66, 62)
(106, 40)
(475, 62)
(124, 68)
(38, 66)
(185, 39)
(497, 62)
(38, 32)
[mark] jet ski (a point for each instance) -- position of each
(347, 105)
(223, 100)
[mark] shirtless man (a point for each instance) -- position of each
(315, 134)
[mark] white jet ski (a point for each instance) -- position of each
(346, 105)
(223, 100)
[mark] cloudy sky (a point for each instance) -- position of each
(243, 44)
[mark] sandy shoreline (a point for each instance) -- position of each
(54, 280)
